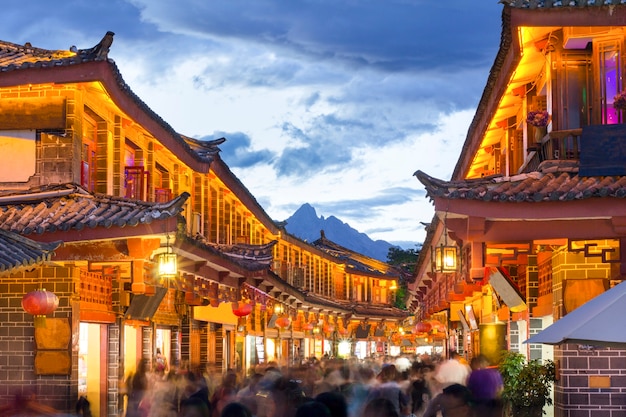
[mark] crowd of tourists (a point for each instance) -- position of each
(420, 386)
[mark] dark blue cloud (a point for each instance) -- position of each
(237, 151)
(394, 35)
(83, 23)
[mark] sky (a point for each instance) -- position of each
(335, 103)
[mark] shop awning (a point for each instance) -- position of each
(597, 322)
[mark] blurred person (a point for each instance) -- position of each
(418, 390)
(312, 375)
(165, 397)
(251, 388)
(235, 409)
(364, 380)
(336, 403)
(455, 370)
(485, 383)
(225, 393)
(160, 363)
(312, 409)
(454, 401)
(194, 407)
(138, 386)
(285, 397)
(389, 388)
(379, 407)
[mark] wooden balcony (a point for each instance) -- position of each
(556, 145)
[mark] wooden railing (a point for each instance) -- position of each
(556, 145)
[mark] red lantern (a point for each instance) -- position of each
(307, 326)
(422, 327)
(39, 303)
(437, 327)
(242, 310)
(283, 322)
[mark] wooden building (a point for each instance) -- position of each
(97, 190)
(534, 212)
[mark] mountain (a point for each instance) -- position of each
(305, 225)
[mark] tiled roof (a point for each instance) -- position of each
(350, 258)
(67, 206)
(378, 311)
(15, 57)
(249, 257)
(18, 252)
(561, 4)
(252, 257)
(207, 149)
(552, 182)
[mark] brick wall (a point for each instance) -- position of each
(592, 379)
(592, 382)
(17, 339)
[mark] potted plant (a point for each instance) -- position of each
(527, 384)
(540, 120)
(619, 101)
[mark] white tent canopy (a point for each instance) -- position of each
(600, 322)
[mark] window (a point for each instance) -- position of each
(608, 57)
(162, 189)
(88, 154)
(573, 83)
(135, 177)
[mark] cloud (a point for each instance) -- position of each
(336, 103)
(396, 35)
(237, 151)
(366, 207)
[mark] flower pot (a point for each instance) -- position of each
(540, 132)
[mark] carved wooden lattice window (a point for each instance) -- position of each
(136, 182)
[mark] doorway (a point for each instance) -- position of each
(92, 376)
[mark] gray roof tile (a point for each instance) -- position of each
(65, 207)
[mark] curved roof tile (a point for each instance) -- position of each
(547, 184)
(68, 206)
(18, 252)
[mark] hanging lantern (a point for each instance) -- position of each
(445, 255)
(39, 303)
(422, 327)
(445, 258)
(283, 322)
(307, 326)
(242, 309)
(437, 327)
(168, 262)
(168, 265)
